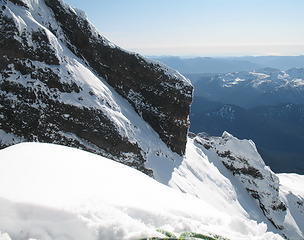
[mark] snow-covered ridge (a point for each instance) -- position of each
(54, 192)
(245, 186)
(96, 195)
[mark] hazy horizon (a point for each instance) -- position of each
(200, 28)
(219, 56)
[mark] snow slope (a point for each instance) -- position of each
(229, 174)
(292, 191)
(54, 192)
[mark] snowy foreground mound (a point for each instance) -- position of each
(54, 192)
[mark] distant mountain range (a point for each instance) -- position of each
(266, 106)
(266, 86)
(230, 64)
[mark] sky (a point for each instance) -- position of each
(200, 27)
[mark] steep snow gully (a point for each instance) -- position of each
(61, 82)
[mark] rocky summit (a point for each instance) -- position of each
(62, 82)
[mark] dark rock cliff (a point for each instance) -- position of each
(161, 99)
(42, 98)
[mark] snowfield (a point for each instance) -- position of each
(53, 192)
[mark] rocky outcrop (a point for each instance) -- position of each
(243, 160)
(55, 72)
(160, 97)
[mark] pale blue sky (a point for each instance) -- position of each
(200, 27)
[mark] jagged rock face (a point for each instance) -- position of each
(243, 160)
(54, 86)
(161, 99)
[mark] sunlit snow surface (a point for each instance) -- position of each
(292, 191)
(54, 192)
